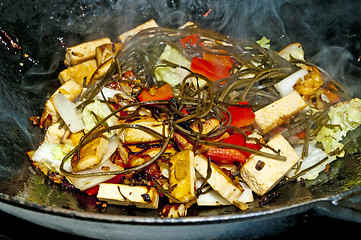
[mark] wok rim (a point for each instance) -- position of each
(325, 203)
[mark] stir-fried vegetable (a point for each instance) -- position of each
(172, 97)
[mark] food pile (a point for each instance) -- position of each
(189, 116)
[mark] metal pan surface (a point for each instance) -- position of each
(328, 31)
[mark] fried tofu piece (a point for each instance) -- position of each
(132, 135)
(261, 173)
(121, 194)
(79, 72)
(309, 84)
(72, 139)
(182, 176)
(278, 112)
(83, 52)
(218, 180)
(70, 90)
(90, 155)
(149, 24)
(106, 51)
(54, 134)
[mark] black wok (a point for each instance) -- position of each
(328, 30)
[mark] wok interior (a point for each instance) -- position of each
(328, 31)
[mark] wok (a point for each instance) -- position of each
(329, 32)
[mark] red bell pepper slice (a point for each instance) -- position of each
(241, 116)
(213, 71)
(191, 41)
(228, 155)
(251, 145)
(224, 60)
(236, 139)
(162, 93)
(225, 155)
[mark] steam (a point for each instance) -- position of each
(327, 30)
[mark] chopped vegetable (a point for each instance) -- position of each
(264, 42)
(162, 93)
(174, 100)
(223, 60)
(171, 75)
(224, 155)
(213, 71)
(191, 41)
(344, 117)
(241, 116)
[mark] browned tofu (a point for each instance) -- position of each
(309, 84)
(278, 112)
(121, 194)
(132, 135)
(83, 52)
(149, 24)
(106, 51)
(79, 72)
(90, 155)
(262, 174)
(182, 176)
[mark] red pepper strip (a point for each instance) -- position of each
(241, 116)
(251, 145)
(191, 41)
(129, 75)
(94, 190)
(162, 93)
(213, 71)
(225, 155)
(224, 60)
(236, 139)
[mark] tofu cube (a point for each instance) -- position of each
(218, 180)
(262, 174)
(83, 52)
(132, 135)
(121, 194)
(182, 176)
(278, 112)
(149, 24)
(79, 72)
(90, 155)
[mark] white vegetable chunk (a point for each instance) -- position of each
(315, 155)
(285, 86)
(68, 112)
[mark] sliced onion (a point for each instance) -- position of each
(68, 112)
(285, 86)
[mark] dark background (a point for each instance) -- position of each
(328, 30)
